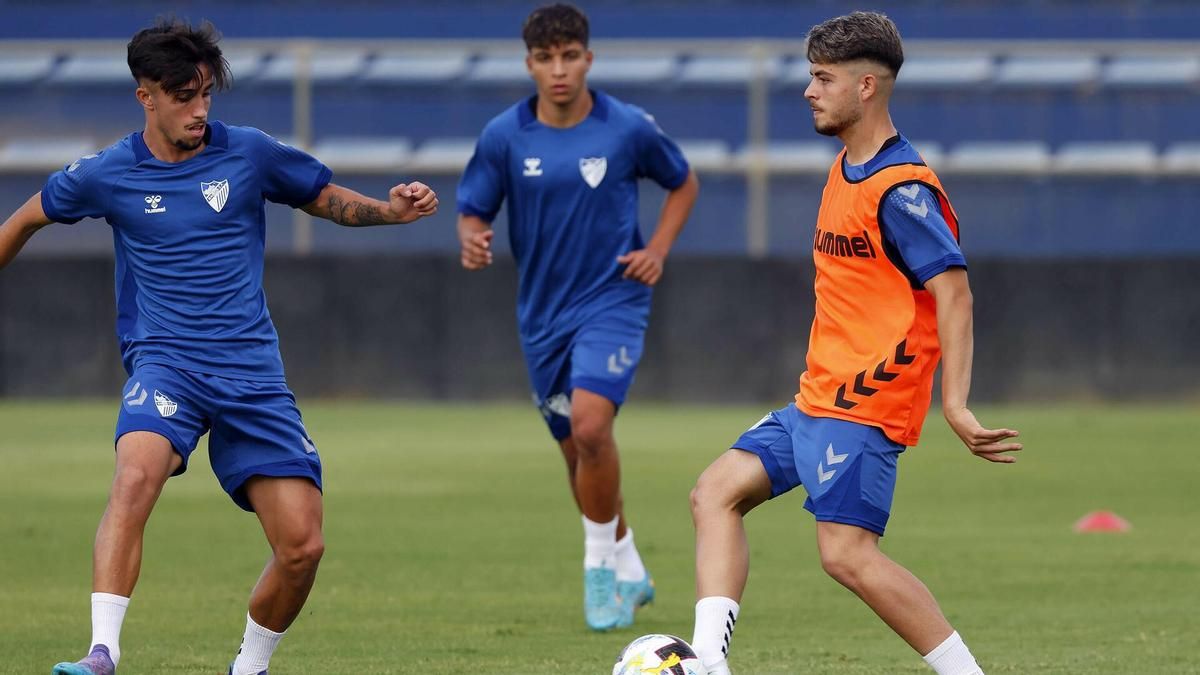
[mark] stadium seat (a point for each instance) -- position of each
(16, 69)
(1152, 71)
(1182, 158)
(328, 66)
(363, 155)
(632, 70)
(93, 68)
(707, 154)
(793, 156)
(946, 71)
(500, 69)
(44, 154)
(415, 67)
(1048, 71)
(998, 157)
(725, 70)
(443, 154)
(1106, 157)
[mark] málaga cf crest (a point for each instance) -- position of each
(593, 169)
(215, 193)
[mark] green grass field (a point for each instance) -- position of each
(453, 547)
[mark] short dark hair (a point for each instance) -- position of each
(556, 24)
(171, 51)
(860, 35)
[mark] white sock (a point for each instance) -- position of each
(715, 619)
(108, 613)
(629, 563)
(258, 644)
(599, 543)
(953, 658)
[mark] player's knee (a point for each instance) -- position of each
(132, 485)
(844, 563)
(301, 557)
(592, 436)
(708, 496)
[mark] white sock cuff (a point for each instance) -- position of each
(592, 529)
(265, 632)
(627, 540)
(952, 657)
(719, 602)
(119, 600)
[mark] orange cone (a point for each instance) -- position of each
(1102, 521)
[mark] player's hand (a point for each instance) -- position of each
(985, 443)
(410, 201)
(642, 265)
(477, 250)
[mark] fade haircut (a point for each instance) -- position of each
(557, 24)
(860, 35)
(171, 51)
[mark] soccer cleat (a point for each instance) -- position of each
(634, 594)
(97, 663)
(231, 670)
(601, 606)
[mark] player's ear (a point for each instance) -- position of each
(868, 85)
(144, 97)
(588, 56)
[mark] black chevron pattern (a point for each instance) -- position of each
(880, 374)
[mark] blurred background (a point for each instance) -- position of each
(1064, 131)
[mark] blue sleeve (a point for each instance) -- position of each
(481, 190)
(289, 175)
(914, 226)
(658, 157)
(78, 191)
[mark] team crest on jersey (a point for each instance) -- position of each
(533, 166)
(166, 407)
(215, 193)
(593, 169)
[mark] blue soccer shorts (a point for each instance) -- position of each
(848, 469)
(255, 427)
(601, 356)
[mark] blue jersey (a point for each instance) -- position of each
(910, 215)
(572, 206)
(189, 240)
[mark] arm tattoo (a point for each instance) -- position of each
(353, 213)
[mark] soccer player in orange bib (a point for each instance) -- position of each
(891, 299)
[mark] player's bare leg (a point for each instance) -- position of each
(291, 514)
(727, 490)
(851, 555)
(615, 580)
(571, 456)
(145, 461)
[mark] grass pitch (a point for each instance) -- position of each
(454, 547)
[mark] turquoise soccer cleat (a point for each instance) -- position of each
(633, 595)
(97, 663)
(601, 606)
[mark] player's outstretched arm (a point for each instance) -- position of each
(406, 203)
(20, 226)
(646, 265)
(475, 236)
(952, 294)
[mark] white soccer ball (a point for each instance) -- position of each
(658, 655)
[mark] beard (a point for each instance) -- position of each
(837, 125)
(187, 145)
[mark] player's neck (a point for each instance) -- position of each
(166, 151)
(564, 116)
(864, 139)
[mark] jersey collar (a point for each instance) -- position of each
(527, 113)
(215, 134)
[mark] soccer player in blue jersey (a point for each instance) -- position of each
(185, 199)
(567, 160)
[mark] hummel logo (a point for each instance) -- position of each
(619, 361)
(152, 202)
(841, 246)
(911, 191)
(533, 166)
(921, 211)
(133, 397)
(830, 459)
(75, 164)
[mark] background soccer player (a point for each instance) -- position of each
(568, 159)
(185, 198)
(891, 288)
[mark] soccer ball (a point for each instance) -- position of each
(658, 655)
